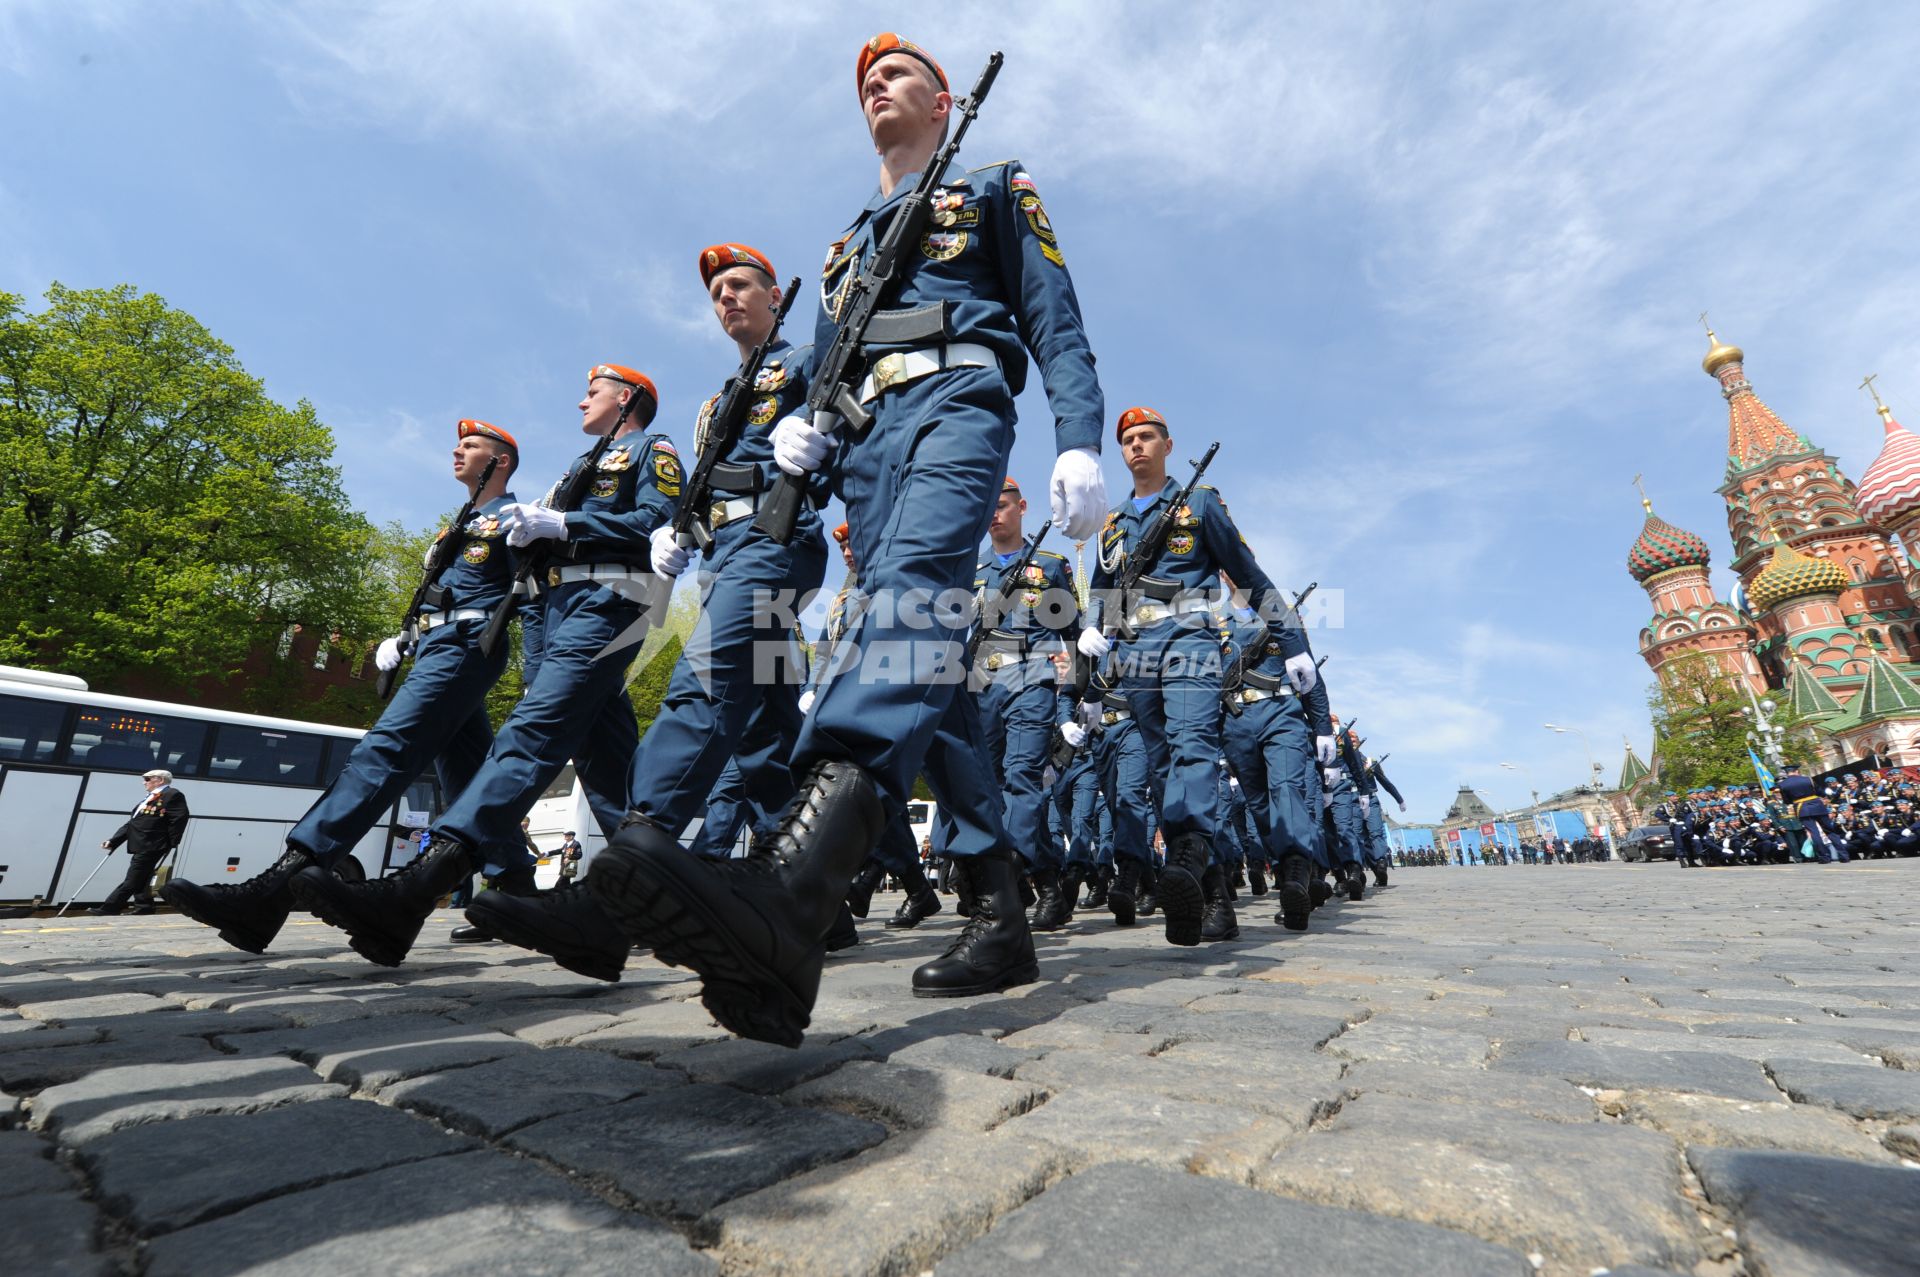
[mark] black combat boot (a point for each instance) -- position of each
(1029, 892)
(994, 951)
(1379, 873)
(1178, 890)
(844, 934)
(1256, 879)
(1356, 882)
(865, 883)
(1096, 897)
(1296, 895)
(752, 928)
(248, 915)
(382, 918)
(517, 881)
(1123, 895)
(1320, 889)
(565, 924)
(1046, 904)
(1070, 879)
(915, 909)
(1149, 879)
(1218, 922)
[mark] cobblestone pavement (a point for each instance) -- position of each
(1478, 1071)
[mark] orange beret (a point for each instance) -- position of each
(726, 256)
(1011, 485)
(841, 533)
(487, 430)
(1139, 417)
(882, 45)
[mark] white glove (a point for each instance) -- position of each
(529, 523)
(669, 556)
(1331, 776)
(1049, 777)
(1325, 750)
(1087, 713)
(1079, 493)
(1326, 801)
(388, 655)
(1301, 673)
(1366, 802)
(1074, 734)
(1403, 809)
(1093, 644)
(806, 701)
(800, 445)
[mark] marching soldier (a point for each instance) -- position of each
(597, 601)
(919, 485)
(1370, 781)
(437, 715)
(1172, 665)
(1020, 703)
(1120, 760)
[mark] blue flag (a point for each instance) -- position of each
(1760, 770)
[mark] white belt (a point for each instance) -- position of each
(1254, 695)
(434, 620)
(1152, 612)
(731, 510)
(571, 572)
(904, 366)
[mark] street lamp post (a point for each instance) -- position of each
(1593, 768)
(1765, 735)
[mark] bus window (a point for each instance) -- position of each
(127, 741)
(916, 813)
(264, 754)
(29, 729)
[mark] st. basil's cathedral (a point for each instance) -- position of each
(1824, 612)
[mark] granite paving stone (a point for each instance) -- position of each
(370, 1054)
(1552, 1098)
(27, 1166)
(503, 1095)
(53, 1233)
(761, 1068)
(902, 1095)
(1624, 1068)
(1094, 1126)
(1118, 1219)
(966, 1051)
(476, 1214)
(129, 1095)
(165, 1177)
(1815, 1216)
(1710, 1120)
(686, 1150)
(1859, 1089)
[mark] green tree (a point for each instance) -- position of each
(1700, 722)
(159, 514)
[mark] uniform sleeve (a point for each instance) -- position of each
(1387, 785)
(176, 817)
(533, 634)
(1228, 549)
(1060, 578)
(1036, 280)
(119, 836)
(656, 490)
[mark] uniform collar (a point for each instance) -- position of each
(956, 175)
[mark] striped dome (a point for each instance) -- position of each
(1890, 489)
(1792, 575)
(1661, 547)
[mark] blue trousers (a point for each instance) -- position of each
(1016, 713)
(919, 488)
(736, 680)
(727, 814)
(1349, 827)
(1172, 682)
(897, 850)
(575, 706)
(1120, 757)
(1103, 842)
(1377, 849)
(437, 715)
(1077, 800)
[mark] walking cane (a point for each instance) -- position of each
(83, 886)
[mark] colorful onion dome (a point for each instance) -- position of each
(1662, 547)
(1792, 575)
(1719, 355)
(1890, 490)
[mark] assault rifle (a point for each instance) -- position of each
(1252, 652)
(835, 390)
(439, 559)
(1008, 584)
(1139, 559)
(572, 491)
(692, 523)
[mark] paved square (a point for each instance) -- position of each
(1503, 1070)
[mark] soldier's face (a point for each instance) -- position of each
(470, 457)
(1007, 513)
(600, 407)
(901, 100)
(846, 553)
(1145, 448)
(744, 300)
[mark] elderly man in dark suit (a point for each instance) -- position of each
(155, 828)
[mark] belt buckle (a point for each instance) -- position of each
(553, 577)
(1148, 614)
(994, 661)
(1109, 718)
(889, 371)
(1249, 696)
(717, 515)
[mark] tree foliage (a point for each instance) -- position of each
(159, 513)
(1701, 718)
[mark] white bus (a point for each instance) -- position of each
(70, 766)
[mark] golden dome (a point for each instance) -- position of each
(1720, 355)
(1792, 575)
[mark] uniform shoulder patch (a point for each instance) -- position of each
(988, 168)
(666, 468)
(1050, 554)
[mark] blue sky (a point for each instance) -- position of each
(1429, 273)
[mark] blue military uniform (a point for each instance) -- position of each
(1268, 733)
(1021, 706)
(1369, 780)
(1349, 850)
(1120, 760)
(735, 690)
(1810, 809)
(575, 704)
